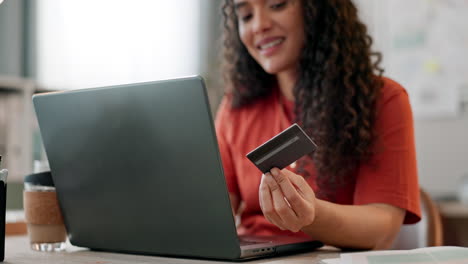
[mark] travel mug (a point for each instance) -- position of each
(46, 229)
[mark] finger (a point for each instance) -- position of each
(261, 194)
(284, 211)
(234, 202)
(241, 208)
(306, 210)
(297, 202)
(238, 215)
(266, 204)
(303, 187)
(297, 181)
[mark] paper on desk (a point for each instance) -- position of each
(331, 261)
(429, 255)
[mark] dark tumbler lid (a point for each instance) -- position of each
(41, 178)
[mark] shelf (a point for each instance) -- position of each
(15, 83)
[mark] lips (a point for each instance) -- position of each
(269, 43)
(269, 46)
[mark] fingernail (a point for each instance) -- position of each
(267, 174)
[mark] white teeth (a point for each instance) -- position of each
(271, 44)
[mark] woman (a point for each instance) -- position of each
(310, 62)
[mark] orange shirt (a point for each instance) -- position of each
(390, 176)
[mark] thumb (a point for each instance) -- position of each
(301, 184)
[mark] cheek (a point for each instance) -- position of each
(298, 38)
(244, 36)
(296, 26)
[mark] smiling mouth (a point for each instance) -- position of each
(271, 44)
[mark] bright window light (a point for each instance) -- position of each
(90, 43)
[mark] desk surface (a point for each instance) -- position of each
(17, 251)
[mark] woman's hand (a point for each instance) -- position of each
(287, 200)
(238, 207)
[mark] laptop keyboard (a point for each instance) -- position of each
(244, 241)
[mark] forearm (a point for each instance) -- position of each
(372, 226)
(356, 226)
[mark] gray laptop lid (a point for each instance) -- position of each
(131, 164)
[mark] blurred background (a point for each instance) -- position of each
(58, 45)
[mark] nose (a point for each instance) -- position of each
(261, 22)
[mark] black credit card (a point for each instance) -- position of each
(282, 150)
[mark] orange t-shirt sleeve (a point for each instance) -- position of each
(390, 176)
(222, 124)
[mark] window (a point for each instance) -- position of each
(89, 43)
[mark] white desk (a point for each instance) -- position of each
(17, 251)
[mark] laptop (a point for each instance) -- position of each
(137, 169)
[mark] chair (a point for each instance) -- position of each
(427, 233)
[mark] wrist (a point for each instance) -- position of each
(320, 217)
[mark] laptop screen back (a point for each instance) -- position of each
(137, 168)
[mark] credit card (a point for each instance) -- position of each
(282, 150)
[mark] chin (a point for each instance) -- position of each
(276, 65)
(273, 69)
(270, 71)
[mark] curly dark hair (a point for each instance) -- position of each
(337, 88)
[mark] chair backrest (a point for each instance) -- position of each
(426, 233)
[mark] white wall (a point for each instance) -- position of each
(442, 151)
(87, 43)
(441, 142)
